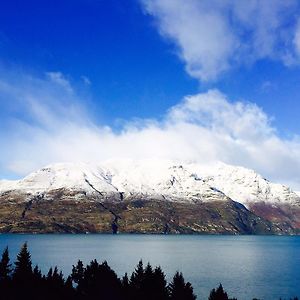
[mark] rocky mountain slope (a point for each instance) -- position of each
(147, 196)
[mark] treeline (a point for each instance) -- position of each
(21, 281)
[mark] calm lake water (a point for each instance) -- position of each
(265, 267)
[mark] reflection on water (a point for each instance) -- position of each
(265, 267)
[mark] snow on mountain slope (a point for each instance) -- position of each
(245, 185)
(63, 175)
(149, 179)
(156, 179)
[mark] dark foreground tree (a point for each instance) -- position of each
(218, 294)
(55, 287)
(22, 277)
(159, 283)
(78, 272)
(5, 266)
(23, 265)
(126, 289)
(179, 290)
(98, 281)
(5, 275)
(146, 283)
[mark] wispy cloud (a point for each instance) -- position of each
(86, 80)
(214, 36)
(60, 79)
(204, 128)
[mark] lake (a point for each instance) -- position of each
(265, 267)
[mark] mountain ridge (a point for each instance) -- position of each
(164, 177)
(165, 183)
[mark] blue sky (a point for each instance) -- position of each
(196, 80)
(113, 43)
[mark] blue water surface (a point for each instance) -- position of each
(265, 267)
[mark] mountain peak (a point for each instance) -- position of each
(148, 196)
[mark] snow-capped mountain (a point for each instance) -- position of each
(147, 196)
(157, 179)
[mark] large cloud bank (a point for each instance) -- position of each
(204, 127)
(49, 122)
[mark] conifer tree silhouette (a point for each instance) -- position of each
(136, 281)
(38, 283)
(78, 272)
(37, 274)
(99, 281)
(22, 277)
(154, 284)
(23, 264)
(49, 274)
(137, 276)
(146, 286)
(179, 290)
(160, 284)
(126, 289)
(218, 294)
(55, 287)
(77, 276)
(5, 275)
(5, 266)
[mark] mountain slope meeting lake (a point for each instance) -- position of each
(265, 267)
(147, 196)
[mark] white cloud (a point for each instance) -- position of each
(213, 36)
(60, 79)
(204, 128)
